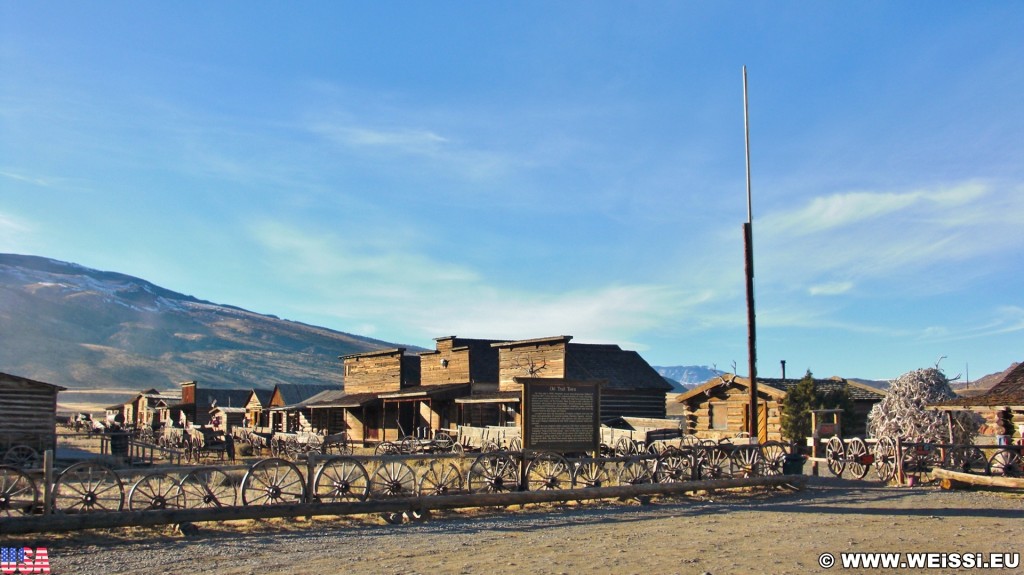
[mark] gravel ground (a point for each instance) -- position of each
(754, 532)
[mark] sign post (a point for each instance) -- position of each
(561, 416)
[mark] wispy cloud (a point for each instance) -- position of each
(1004, 320)
(835, 288)
(13, 225)
(390, 287)
(835, 242)
(452, 156)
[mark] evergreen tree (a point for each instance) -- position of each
(796, 409)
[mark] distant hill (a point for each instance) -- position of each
(982, 384)
(684, 377)
(86, 329)
(876, 383)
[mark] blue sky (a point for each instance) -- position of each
(411, 170)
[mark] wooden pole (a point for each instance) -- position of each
(48, 482)
(748, 248)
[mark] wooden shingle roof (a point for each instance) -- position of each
(622, 369)
(293, 394)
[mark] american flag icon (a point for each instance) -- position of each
(24, 560)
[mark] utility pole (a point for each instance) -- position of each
(748, 248)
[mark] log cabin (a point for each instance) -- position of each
(720, 407)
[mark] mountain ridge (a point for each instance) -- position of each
(82, 328)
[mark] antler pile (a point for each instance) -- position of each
(902, 413)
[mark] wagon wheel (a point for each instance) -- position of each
(966, 459)
(1006, 462)
(273, 481)
(674, 466)
(516, 444)
(457, 449)
(858, 458)
(548, 471)
(441, 478)
(155, 491)
(21, 456)
(341, 479)
(713, 463)
(277, 447)
(393, 479)
(443, 441)
(208, 487)
(591, 473)
(292, 448)
(835, 455)
(625, 447)
(494, 473)
(408, 445)
(634, 472)
(885, 458)
(340, 446)
(656, 447)
(386, 448)
(773, 458)
(688, 441)
(87, 487)
(918, 459)
(18, 494)
(490, 447)
(745, 461)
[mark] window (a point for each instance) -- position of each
(719, 415)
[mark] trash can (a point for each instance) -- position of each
(793, 464)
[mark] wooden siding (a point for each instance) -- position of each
(188, 392)
(735, 399)
(375, 372)
(632, 404)
(533, 359)
(445, 365)
(28, 413)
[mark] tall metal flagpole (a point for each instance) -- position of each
(748, 248)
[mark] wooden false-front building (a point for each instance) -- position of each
(720, 408)
(359, 409)
(631, 387)
(28, 413)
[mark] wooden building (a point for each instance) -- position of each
(458, 383)
(224, 419)
(143, 409)
(1002, 406)
(256, 414)
(720, 408)
(196, 404)
(359, 409)
(28, 413)
(287, 409)
(632, 387)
